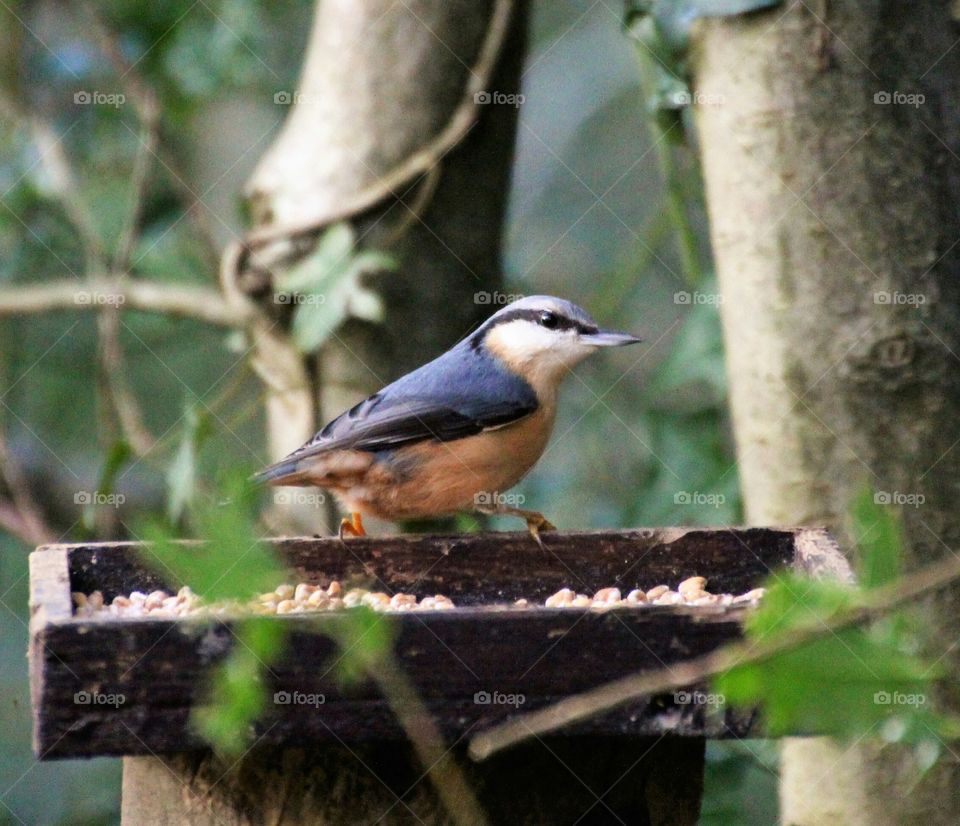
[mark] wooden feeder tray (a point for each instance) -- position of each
(545, 654)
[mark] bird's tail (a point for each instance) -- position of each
(277, 473)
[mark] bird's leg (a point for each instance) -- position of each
(536, 522)
(352, 525)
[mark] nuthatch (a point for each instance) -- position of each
(455, 433)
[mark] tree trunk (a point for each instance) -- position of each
(384, 133)
(834, 223)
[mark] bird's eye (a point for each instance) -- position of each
(549, 320)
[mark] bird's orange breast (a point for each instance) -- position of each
(437, 478)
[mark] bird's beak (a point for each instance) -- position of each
(608, 338)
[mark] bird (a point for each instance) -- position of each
(453, 435)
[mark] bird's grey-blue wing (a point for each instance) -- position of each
(459, 394)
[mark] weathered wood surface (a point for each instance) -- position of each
(543, 654)
(558, 780)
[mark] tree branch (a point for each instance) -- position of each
(197, 303)
(447, 777)
(604, 698)
(391, 181)
(20, 515)
(145, 102)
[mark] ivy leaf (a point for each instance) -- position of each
(326, 287)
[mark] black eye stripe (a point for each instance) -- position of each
(562, 323)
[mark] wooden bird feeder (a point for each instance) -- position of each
(641, 763)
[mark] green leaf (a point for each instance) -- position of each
(842, 685)
(326, 287)
(847, 683)
(793, 601)
(236, 694)
(364, 637)
(331, 255)
(182, 472)
(877, 533)
(117, 457)
(232, 563)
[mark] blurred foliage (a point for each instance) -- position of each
(636, 431)
(662, 30)
(232, 567)
(870, 678)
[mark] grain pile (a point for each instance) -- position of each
(305, 597)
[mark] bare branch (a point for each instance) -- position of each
(146, 150)
(122, 398)
(54, 159)
(21, 515)
(150, 115)
(598, 700)
(447, 777)
(198, 303)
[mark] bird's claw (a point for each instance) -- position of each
(351, 525)
(537, 522)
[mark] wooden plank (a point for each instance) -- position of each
(483, 568)
(157, 666)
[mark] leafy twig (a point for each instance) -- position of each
(876, 602)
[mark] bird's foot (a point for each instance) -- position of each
(537, 522)
(351, 525)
